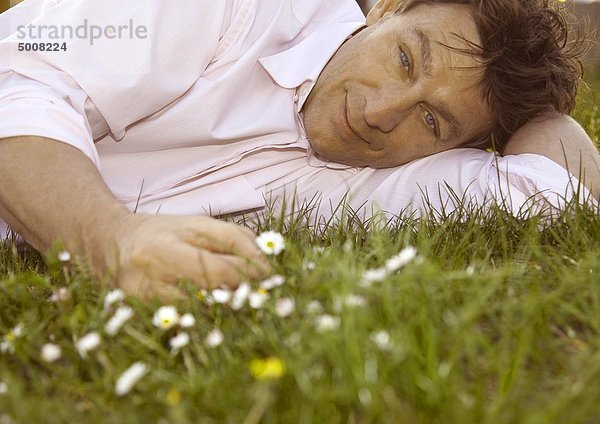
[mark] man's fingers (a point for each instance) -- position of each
(249, 233)
(248, 268)
(162, 250)
(225, 238)
(166, 293)
(142, 286)
(211, 270)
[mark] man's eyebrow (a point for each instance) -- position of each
(442, 108)
(426, 60)
(425, 47)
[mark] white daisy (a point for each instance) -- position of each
(7, 345)
(405, 256)
(381, 339)
(187, 321)
(130, 377)
(88, 343)
(221, 295)
(371, 276)
(350, 301)
(285, 306)
(113, 296)
(240, 296)
(271, 243)
(17, 330)
(64, 256)
(3, 388)
(354, 300)
(61, 295)
(309, 266)
(51, 352)
(121, 316)
(180, 340)
(272, 282)
(257, 299)
(314, 307)
(166, 317)
(214, 338)
(326, 322)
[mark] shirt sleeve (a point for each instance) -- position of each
(147, 55)
(460, 179)
(29, 107)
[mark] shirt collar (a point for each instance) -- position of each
(305, 61)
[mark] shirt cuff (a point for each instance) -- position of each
(32, 108)
(534, 184)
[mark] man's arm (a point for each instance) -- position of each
(562, 139)
(51, 191)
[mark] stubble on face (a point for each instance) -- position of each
(326, 101)
(341, 114)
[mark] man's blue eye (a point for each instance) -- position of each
(430, 120)
(405, 60)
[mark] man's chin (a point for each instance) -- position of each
(343, 159)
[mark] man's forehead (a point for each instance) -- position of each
(444, 19)
(405, 6)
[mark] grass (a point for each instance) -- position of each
(497, 321)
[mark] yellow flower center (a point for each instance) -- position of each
(270, 244)
(267, 369)
(173, 397)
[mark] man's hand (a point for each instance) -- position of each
(51, 191)
(562, 139)
(152, 252)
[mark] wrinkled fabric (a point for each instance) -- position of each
(203, 116)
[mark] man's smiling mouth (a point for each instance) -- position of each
(346, 121)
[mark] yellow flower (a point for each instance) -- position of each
(173, 397)
(14, 333)
(201, 295)
(270, 368)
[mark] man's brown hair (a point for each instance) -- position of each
(530, 67)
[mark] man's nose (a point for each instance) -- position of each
(386, 108)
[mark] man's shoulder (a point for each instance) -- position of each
(306, 12)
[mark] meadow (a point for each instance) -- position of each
(472, 319)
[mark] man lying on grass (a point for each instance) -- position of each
(209, 106)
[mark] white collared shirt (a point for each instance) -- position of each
(202, 115)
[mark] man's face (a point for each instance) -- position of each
(393, 93)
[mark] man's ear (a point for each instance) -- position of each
(382, 9)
